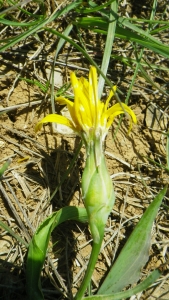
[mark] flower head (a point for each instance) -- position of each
(90, 117)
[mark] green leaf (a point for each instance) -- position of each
(59, 47)
(132, 32)
(37, 83)
(16, 236)
(40, 25)
(5, 167)
(134, 255)
(108, 46)
(123, 295)
(39, 244)
(94, 7)
(18, 24)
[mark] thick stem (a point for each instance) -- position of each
(98, 196)
(90, 268)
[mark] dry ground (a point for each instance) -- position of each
(39, 162)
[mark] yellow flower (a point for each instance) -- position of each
(90, 117)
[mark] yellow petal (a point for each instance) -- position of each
(117, 109)
(85, 85)
(56, 119)
(70, 106)
(80, 113)
(120, 108)
(75, 83)
(63, 101)
(112, 92)
(93, 87)
(93, 95)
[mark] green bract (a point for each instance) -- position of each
(98, 192)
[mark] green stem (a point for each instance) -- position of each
(90, 268)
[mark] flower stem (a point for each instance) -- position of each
(90, 268)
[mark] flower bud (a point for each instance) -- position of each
(98, 193)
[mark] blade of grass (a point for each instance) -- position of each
(59, 47)
(14, 6)
(94, 7)
(16, 236)
(148, 79)
(41, 24)
(86, 55)
(156, 163)
(128, 61)
(140, 37)
(17, 24)
(108, 46)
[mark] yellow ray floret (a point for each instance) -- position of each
(54, 118)
(87, 112)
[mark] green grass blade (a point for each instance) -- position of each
(43, 87)
(129, 61)
(94, 7)
(5, 167)
(108, 46)
(132, 33)
(134, 255)
(59, 47)
(62, 41)
(18, 24)
(16, 236)
(86, 55)
(148, 79)
(123, 295)
(14, 6)
(142, 41)
(39, 26)
(39, 244)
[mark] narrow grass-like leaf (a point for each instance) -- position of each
(135, 35)
(108, 46)
(39, 26)
(16, 236)
(43, 87)
(86, 55)
(123, 295)
(160, 165)
(18, 24)
(39, 244)
(148, 79)
(134, 255)
(62, 41)
(159, 29)
(59, 47)
(5, 167)
(15, 6)
(129, 61)
(122, 23)
(93, 7)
